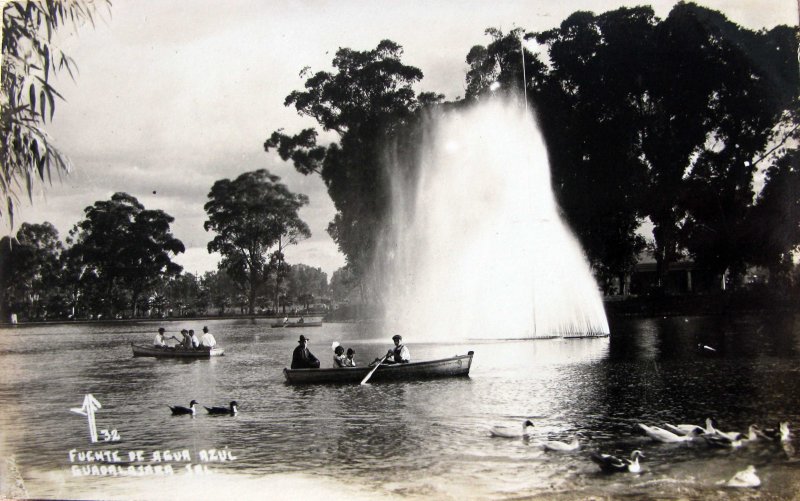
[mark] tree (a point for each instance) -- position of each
(342, 283)
(774, 221)
(251, 216)
(127, 248)
(221, 290)
(30, 59)
(754, 96)
(307, 283)
(366, 101)
(30, 270)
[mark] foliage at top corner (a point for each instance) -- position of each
(30, 58)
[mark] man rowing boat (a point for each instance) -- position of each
(399, 354)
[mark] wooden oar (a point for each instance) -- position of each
(366, 378)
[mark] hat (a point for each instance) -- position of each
(302, 338)
(184, 331)
(397, 336)
(205, 329)
(160, 329)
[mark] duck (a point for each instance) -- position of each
(613, 464)
(722, 441)
(745, 478)
(685, 429)
(555, 445)
(662, 435)
(219, 410)
(178, 410)
(783, 434)
(729, 435)
(512, 432)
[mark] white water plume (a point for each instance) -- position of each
(477, 248)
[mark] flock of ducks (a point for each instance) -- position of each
(179, 410)
(667, 434)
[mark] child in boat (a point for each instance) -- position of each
(338, 357)
(349, 360)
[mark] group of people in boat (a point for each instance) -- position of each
(190, 340)
(302, 358)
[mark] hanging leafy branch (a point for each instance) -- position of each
(30, 60)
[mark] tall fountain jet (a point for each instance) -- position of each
(477, 248)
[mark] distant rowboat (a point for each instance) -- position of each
(151, 351)
(430, 369)
(289, 325)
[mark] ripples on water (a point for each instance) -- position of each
(412, 440)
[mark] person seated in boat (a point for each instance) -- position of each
(194, 339)
(349, 359)
(301, 321)
(207, 341)
(159, 341)
(338, 357)
(285, 320)
(302, 358)
(186, 342)
(400, 353)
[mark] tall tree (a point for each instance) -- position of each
(30, 58)
(30, 270)
(365, 101)
(755, 94)
(252, 216)
(774, 221)
(127, 247)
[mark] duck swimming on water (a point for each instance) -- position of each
(228, 411)
(511, 432)
(613, 464)
(181, 411)
(662, 435)
(745, 478)
(555, 445)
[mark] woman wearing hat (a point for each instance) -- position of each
(302, 358)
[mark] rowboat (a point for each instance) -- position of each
(151, 351)
(289, 325)
(457, 366)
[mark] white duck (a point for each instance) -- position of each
(555, 445)
(512, 432)
(685, 429)
(745, 478)
(730, 435)
(662, 435)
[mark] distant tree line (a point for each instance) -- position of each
(117, 261)
(665, 121)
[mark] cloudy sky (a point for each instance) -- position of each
(173, 95)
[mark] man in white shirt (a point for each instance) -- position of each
(207, 341)
(159, 341)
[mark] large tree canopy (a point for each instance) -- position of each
(29, 60)
(365, 101)
(254, 217)
(126, 247)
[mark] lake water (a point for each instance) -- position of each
(416, 440)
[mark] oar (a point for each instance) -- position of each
(366, 378)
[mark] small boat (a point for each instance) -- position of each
(289, 325)
(151, 351)
(457, 366)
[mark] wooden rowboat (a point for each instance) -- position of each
(297, 324)
(457, 366)
(151, 351)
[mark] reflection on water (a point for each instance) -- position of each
(415, 439)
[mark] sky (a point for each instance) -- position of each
(173, 95)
